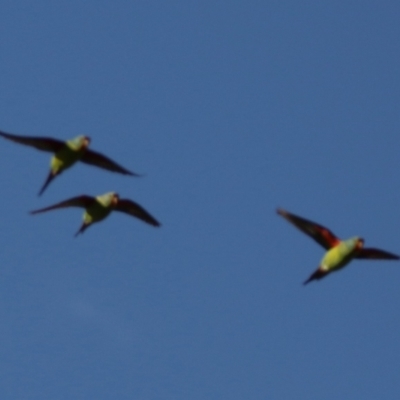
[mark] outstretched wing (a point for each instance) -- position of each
(130, 207)
(319, 233)
(79, 201)
(376, 254)
(41, 143)
(99, 160)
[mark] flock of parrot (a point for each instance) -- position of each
(65, 154)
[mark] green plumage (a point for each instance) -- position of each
(339, 256)
(98, 208)
(67, 154)
(339, 252)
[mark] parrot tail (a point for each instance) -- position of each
(50, 177)
(81, 229)
(318, 274)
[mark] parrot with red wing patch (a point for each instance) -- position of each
(339, 252)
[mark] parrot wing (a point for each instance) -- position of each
(376, 254)
(41, 143)
(130, 207)
(79, 201)
(99, 160)
(319, 233)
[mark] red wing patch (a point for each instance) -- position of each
(330, 239)
(319, 233)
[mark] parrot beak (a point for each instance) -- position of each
(115, 200)
(86, 142)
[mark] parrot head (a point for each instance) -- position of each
(109, 199)
(80, 142)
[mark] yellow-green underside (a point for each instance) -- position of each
(339, 256)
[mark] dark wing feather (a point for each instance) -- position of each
(376, 254)
(41, 143)
(319, 233)
(130, 207)
(99, 160)
(79, 201)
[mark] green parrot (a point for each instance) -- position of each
(340, 252)
(66, 154)
(98, 208)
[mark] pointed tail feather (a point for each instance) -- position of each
(50, 177)
(318, 274)
(81, 229)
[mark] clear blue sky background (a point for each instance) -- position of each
(231, 109)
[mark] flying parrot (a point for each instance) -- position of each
(66, 154)
(98, 208)
(339, 252)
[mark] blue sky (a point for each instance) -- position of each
(230, 109)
